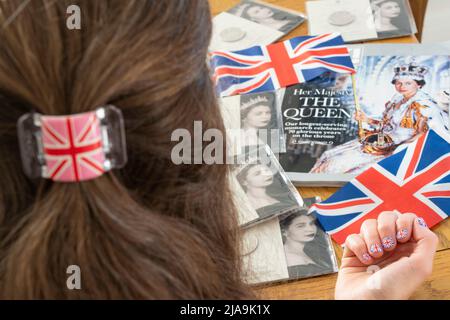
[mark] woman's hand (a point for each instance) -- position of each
(389, 259)
(361, 116)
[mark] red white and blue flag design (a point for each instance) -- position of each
(415, 179)
(73, 147)
(278, 65)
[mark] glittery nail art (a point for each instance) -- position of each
(422, 222)
(375, 248)
(366, 257)
(402, 234)
(388, 242)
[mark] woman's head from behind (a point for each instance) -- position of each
(122, 228)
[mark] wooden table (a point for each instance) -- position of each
(436, 287)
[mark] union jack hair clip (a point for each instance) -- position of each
(72, 148)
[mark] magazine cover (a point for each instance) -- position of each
(268, 191)
(399, 98)
(292, 246)
(317, 116)
(442, 48)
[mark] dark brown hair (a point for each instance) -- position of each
(152, 229)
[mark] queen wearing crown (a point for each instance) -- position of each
(409, 113)
(256, 115)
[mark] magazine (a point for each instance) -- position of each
(398, 98)
(289, 247)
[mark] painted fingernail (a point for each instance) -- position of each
(388, 242)
(422, 222)
(402, 234)
(374, 248)
(366, 257)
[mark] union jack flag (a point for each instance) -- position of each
(265, 68)
(72, 147)
(414, 179)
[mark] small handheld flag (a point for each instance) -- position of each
(415, 179)
(266, 68)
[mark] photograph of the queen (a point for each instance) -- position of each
(391, 18)
(306, 246)
(265, 184)
(384, 125)
(260, 123)
(269, 16)
(256, 114)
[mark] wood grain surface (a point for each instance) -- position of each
(436, 287)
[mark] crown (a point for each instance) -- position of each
(254, 101)
(410, 70)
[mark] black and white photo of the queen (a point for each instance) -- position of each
(265, 184)
(260, 121)
(267, 15)
(307, 247)
(391, 18)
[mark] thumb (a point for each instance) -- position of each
(425, 250)
(419, 265)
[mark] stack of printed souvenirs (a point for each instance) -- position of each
(281, 241)
(254, 22)
(298, 113)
